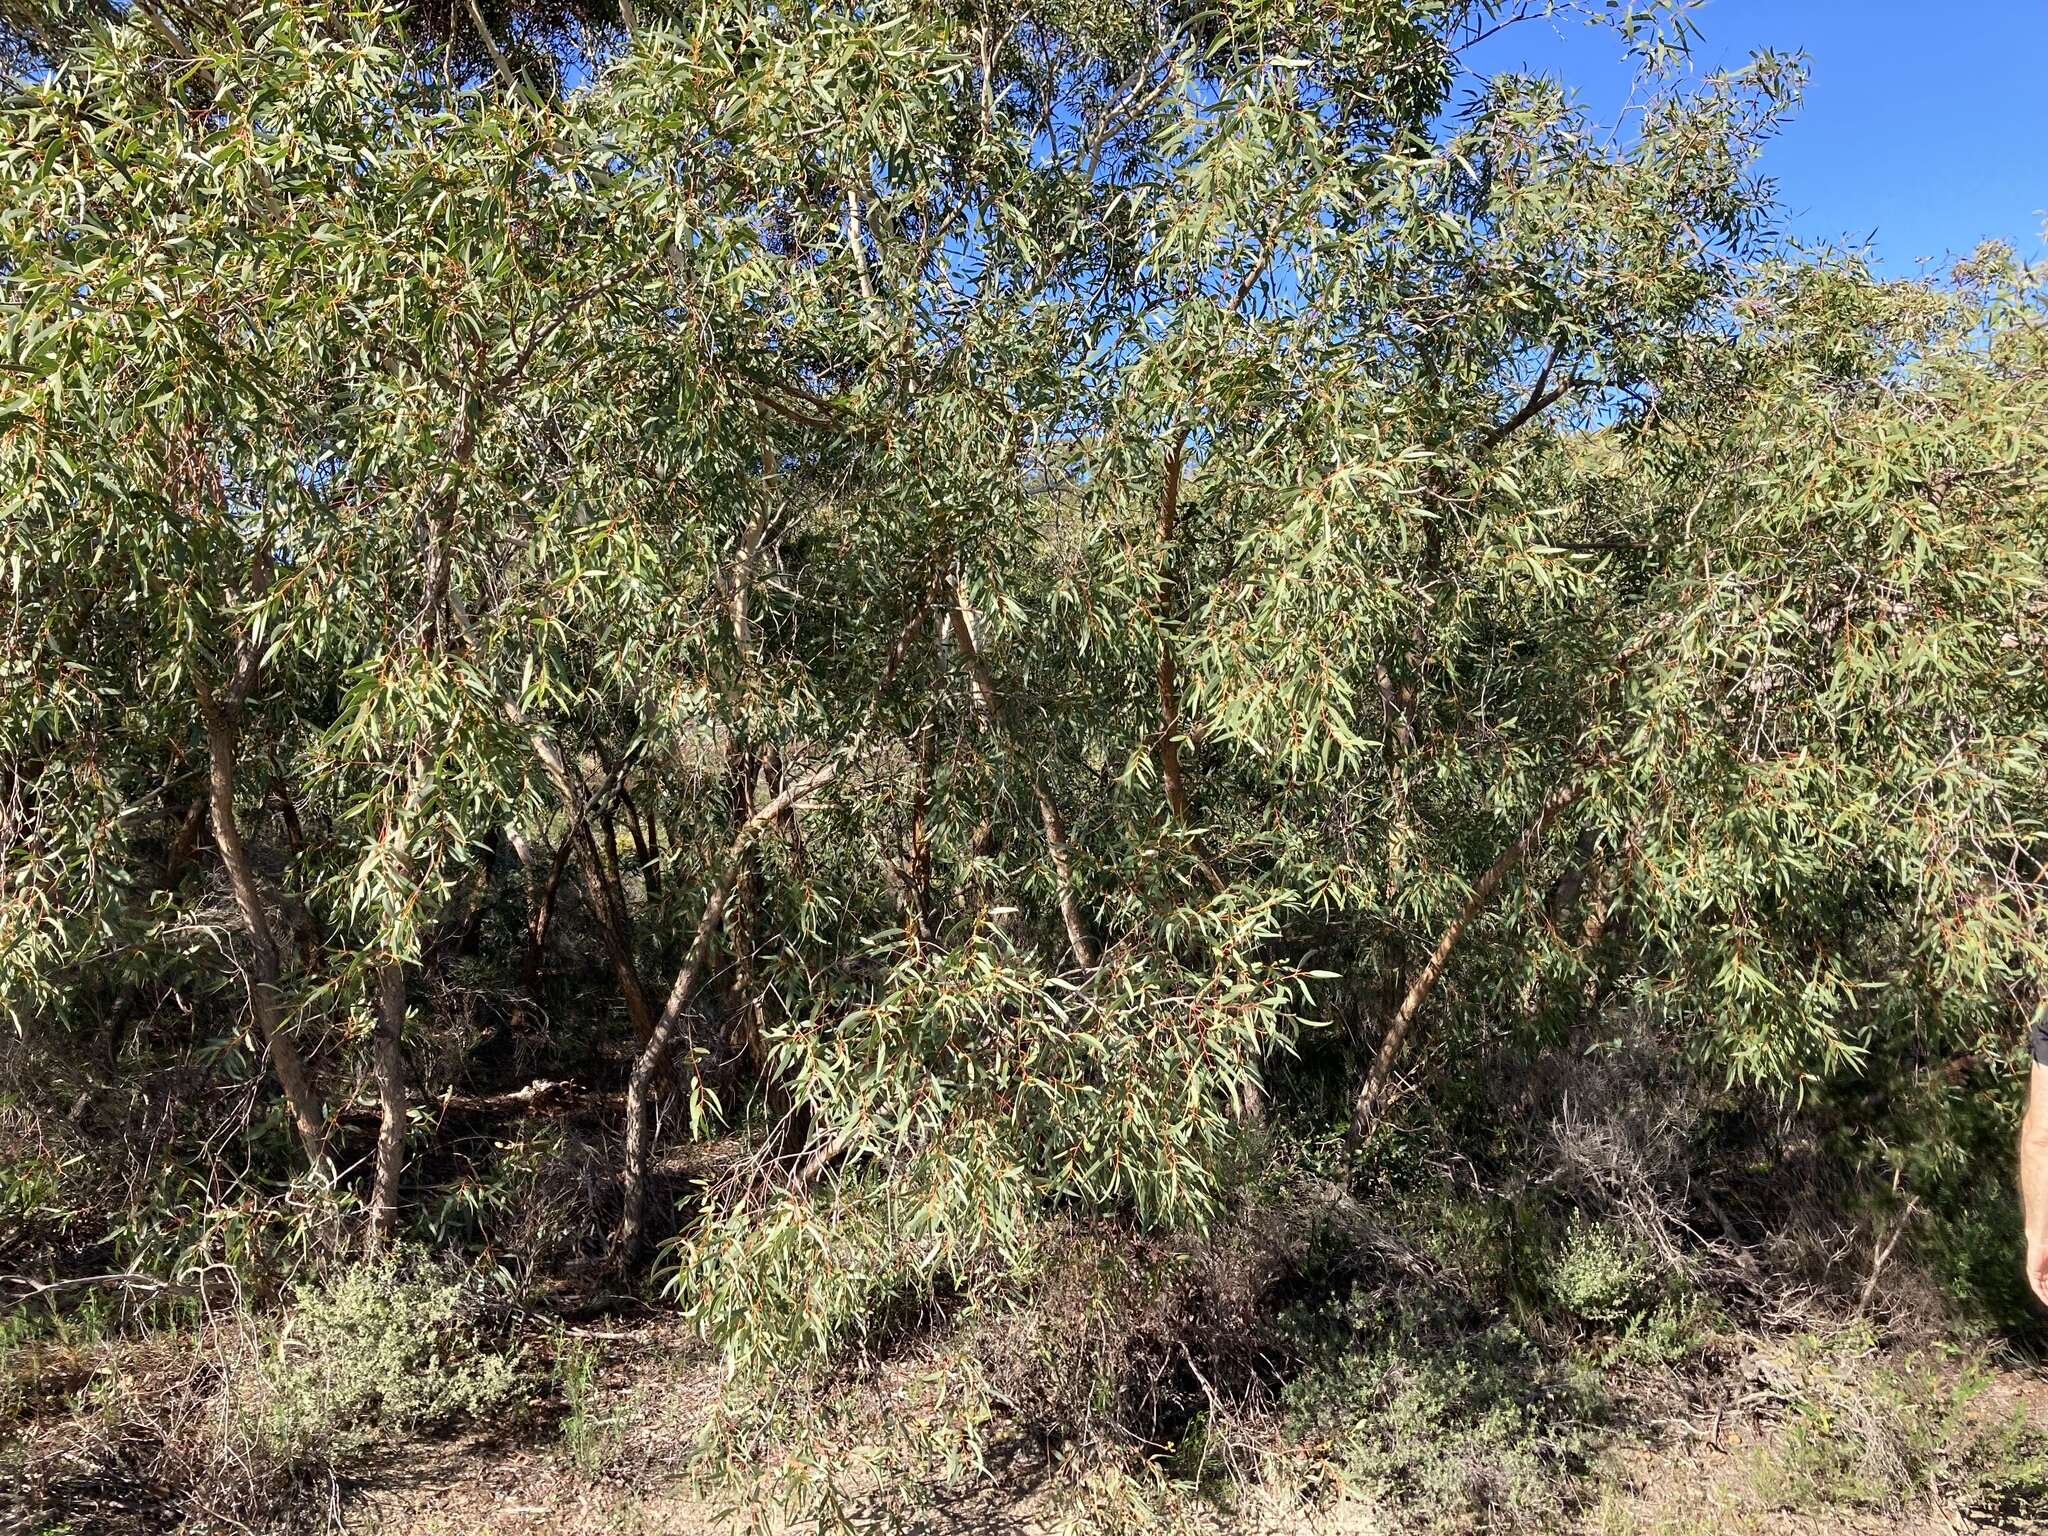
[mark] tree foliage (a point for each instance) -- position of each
(1081, 544)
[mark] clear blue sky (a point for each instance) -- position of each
(1925, 125)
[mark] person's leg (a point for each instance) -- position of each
(2034, 1159)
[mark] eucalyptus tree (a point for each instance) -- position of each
(1077, 540)
(273, 355)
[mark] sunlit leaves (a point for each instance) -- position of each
(1023, 408)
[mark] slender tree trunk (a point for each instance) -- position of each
(653, 875)
(1049, 817)
(645, 850)
(387, 1062)
(1071, 917)
(301, 1098)
(1372, 1092)
(613, 933)
(458, 928)
(612, 927)
(540, 916)
(511, 76)
(673, 1026)
(186, 843)
(608, 848)
(287, 811)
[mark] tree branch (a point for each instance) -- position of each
(1373, 1091)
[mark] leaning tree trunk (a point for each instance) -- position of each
(1374, 1091)
(673, 1026)
(301, 1098)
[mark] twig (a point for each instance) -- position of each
(1884, 1253)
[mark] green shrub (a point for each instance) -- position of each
(1600, 1274)
(1445, 1426)
(1885, 1438)
(380, 1349)
(586, 1434)
(1673, 1330)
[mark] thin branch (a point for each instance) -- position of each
(654, 1055)
(511, 76)
(1054, 824)
(1372, 1092)
(1542, 396)
(1166, 749)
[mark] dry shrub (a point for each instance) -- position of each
(539, 1195)
(1737, 1196)
(1888, 1433)
(1441, 1425)
(147, 1433)
(1125, 1341)
(244, 1424)
(1112, 1368)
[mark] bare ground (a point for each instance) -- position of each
(1689, 1474)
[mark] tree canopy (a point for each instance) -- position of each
(1110, 561)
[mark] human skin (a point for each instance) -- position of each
(2034, 1179)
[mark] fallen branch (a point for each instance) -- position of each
(36, 1290)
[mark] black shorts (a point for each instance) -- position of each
(2037, 1037)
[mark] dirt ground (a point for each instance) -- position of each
(1686, 1476)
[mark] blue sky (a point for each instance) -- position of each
(1924, 129)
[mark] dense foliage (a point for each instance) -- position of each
(992, 595)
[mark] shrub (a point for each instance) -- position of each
(1447, 1427)
(587, 1435)
(1885, 1437)
(1671, 1331)
(1600, 1274)
(380, 1349)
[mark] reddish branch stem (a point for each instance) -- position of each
(1372, 1093)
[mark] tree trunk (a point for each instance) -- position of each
(539, 916)
(1076, 924)
(185, 844)
(387, 1059)
(613, 932)
(645, 850)
(459, 929)
(1372, 1092)
(612, 926)
(672, 1027)
(308, 1117)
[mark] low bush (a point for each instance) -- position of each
(1600, 1274)
(1445, 1425)
(387, 1348)
(1885, 1437)
(587, 1433)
